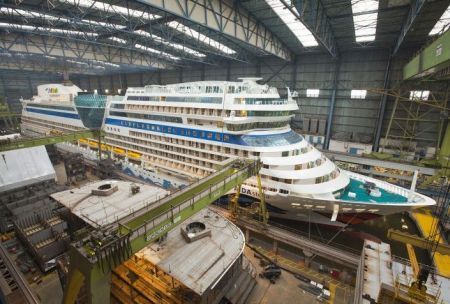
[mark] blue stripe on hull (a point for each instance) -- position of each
(188, 132)
(54, 113)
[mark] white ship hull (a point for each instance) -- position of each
(192, 129)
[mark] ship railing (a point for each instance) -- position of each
(387, 186)
(256, 101)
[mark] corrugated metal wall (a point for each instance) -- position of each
(17, 84)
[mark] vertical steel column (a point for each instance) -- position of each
(30, 86)
(159, 77)
(228, 70)
(111, 83)
(100, 85)
(141, 79)
(332, 103)
(382, 110)
(89, 83)
(180, 75)
(258, 68)
(124, 80)
(294, 73)
(202, 73)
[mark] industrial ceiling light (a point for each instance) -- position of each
(442, 24)
(200, 37)
(300, 31)
(365, 17)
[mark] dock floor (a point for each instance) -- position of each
(427, 222)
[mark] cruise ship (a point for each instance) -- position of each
(192, 129)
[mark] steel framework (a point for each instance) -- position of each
(132, 35)
(416, 8)
(408, 112)
(227, 18)
(314, 17)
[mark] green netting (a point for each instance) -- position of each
(91, 109)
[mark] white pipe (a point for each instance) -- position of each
(413, 185)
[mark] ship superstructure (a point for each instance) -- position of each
(192, 129)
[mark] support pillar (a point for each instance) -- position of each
(96, 281)
(332, 104)
(228, 70)
(294, 74)
(111, 84)
(180, 75)
(308, 257)
(202, 73)
(159, 77)
(275, 249)
(382, 109)
(258, 68)
(141, 79)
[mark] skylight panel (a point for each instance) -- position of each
(170, 43)
(365, 16)
(30, 14)
(442, 24)
(44, 29)
(358, 94)
(151, 50)
(300, 31)
(116, 39)
(199, 36)
(106, 63)
(76, 62)
(419, 95)
(312, 93)
(110, 8)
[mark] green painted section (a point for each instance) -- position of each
(138, 221)
(48, 140)
(430, 60)
(444, 153)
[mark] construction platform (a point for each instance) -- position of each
(385, 278)
(428, 223)
(199, 263)
(101, 203)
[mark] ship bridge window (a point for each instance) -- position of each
(147, 116)
(118, 106)
(257, 125)
(283, 191)
(231, 89)
(284, 139)
(285, 153)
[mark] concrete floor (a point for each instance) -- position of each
(285, 290)
(49, 290)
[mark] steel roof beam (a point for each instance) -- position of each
(414, 11)
(75, 49)
(313, 15)
(227, 18)
(105, 27)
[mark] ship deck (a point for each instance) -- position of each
(361, 194)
